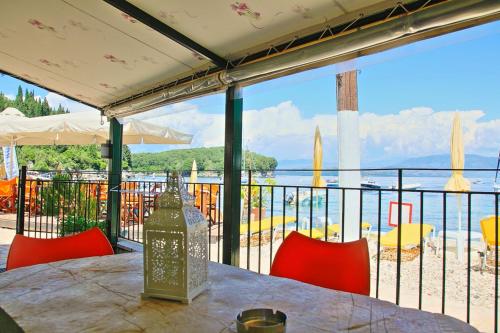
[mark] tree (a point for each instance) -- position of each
(127, 158)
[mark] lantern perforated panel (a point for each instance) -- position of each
(175, 247)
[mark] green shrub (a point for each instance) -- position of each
(68, 198)
(73, 224)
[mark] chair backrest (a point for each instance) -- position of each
(209, 194)
(488, 229)
(8, 188)
(406, 213)
(25, 251)
(339, 266)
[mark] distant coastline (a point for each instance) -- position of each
(441, 161)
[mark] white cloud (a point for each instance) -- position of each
(283, 132)
(55, 99)
(11, 97)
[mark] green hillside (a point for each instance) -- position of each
(206, 159)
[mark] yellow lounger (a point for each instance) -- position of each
(488, 231)
(315, 233)
(334, 229)
(265, 224)
(410, 235)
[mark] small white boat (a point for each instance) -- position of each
(366, 183)
(369, 183)
(408, 186)
(332, 183)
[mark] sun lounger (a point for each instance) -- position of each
(489, 236)
(410, 236)
(334, 229)
(265, 224)
(315, 233)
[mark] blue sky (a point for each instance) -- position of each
(406, 99)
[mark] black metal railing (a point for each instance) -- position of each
(423, 273)
(60, 207)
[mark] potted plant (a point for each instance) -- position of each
(257, 204)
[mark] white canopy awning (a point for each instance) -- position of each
(111, 53)
(82, 128)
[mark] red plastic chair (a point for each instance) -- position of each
(339, 266)
(26, 251)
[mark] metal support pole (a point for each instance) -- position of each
(20, 201)
(232, 177)
(114, 180)
(398, 263)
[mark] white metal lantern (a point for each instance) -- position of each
(175, 246)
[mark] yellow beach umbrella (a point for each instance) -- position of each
(457, 182)
(317, 180)
(194, 177)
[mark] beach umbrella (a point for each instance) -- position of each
(12, 112)
(82, 128)
(10, 165)
(317, 180)
(194, 177)
(457, 182)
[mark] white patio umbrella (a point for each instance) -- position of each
(457, 182)
(82, 128)
(9, 151)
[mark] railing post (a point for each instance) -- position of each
(114, 180)
(21, 194)
(400, 206)
(232, 177)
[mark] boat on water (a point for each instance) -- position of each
(305, 198)
(408, 186)
(370, 183)
(332, 183)
(365, 183)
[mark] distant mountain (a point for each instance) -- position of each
(472, 161)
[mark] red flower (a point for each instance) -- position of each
(129, 18)
(36, 23)
(112, 58)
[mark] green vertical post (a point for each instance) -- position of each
(232, 176)
(21, 201)
(114, 180)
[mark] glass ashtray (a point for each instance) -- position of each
(261, 321)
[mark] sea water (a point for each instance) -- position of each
(434, 213)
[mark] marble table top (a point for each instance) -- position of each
(102, 294)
